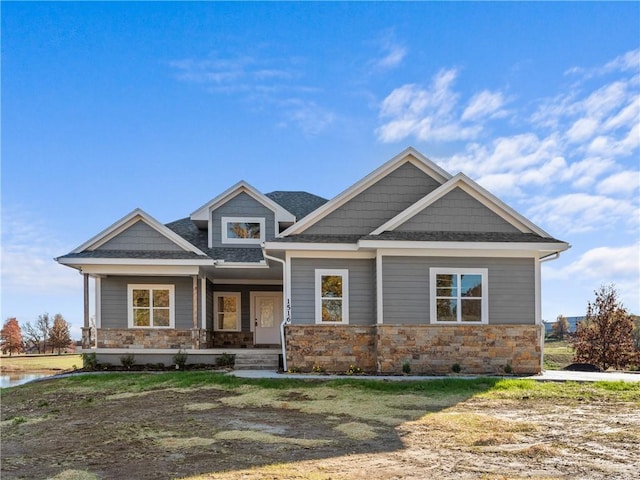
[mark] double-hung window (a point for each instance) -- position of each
(458, 295)
(332, 296)
(243, 230)
(151, 306)
(226, 311)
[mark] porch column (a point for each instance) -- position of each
(196, 341)
(86, 329)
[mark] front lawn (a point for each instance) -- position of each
(199, 425)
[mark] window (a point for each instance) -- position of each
(458, 295)
(332, 296)
(226, 310)
(151, 306)
(242, 230)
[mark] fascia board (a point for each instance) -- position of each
(310, 246)
(419, 160)
(133, 261)
(281, 214)
(223, 264)
(480, 194)
(155, 270)
(129, 220)
(467, 246)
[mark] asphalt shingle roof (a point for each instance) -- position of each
(300, 204)
(141, 254)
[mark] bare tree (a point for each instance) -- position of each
(32, 336)
(43, 324)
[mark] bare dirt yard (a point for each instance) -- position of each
(201, 425)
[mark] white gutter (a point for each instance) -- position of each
(551, 256)
(284, 305)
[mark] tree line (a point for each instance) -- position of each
(45, 333)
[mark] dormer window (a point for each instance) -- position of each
(243, 230)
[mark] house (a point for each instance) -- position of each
(409, 264)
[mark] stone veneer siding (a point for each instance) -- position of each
(147, 338)
(232, 339)
(332, 347)
(429, 349)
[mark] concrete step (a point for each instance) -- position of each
(256, 361)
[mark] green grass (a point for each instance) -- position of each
(24, 363)
(557, 354)
(500, 388)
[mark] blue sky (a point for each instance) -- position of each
(111, 106)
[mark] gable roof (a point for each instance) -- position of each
(126, 222)
(480, 194)
(410, 154)
(201, 215)
(299, 203)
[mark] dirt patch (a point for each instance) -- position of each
(311, 433)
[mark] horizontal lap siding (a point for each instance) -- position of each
(511, 288)
(361, 289)
(242, 205)
(140, 236)
(378, 203)
(245, 299)
(456, 212)
(114, 308)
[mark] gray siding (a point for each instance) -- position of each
(457, 212)
(114, 299)
(245, 299)
(140, 236)
(377, 204)
(362, 300)
(242, 205)
(511, 288)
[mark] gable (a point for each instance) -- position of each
(244, 206)
(457, 211)
(140, 236)
(378, 203)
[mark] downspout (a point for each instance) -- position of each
(284, 305)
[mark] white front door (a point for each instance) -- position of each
(267, 315)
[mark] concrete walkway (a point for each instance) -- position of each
(545, 376)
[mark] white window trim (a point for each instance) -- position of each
(243, 241)
(344, 273)
(217, 295)
(172, 305)
(483, 272)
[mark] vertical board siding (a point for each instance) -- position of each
(362, 299)
(114, 308)
(511, 288)
(140, 236)
(242, 205)
(457, 212)
(378, 203)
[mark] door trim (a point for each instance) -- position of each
(252, 309)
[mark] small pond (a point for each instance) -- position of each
(18, 378)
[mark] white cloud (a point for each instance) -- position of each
(582, 129)
(311, 118)
(581, 212)
(484, 104)
(625, 182)
(393, 55)
(28, 251)
(606, 263)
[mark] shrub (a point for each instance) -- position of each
(225, 360)
(507, 369)
(128, 361)
(318, 369)
(406, 367)
(89, 361)
(180, 359)
(455, 368)
(295, 370)
(354, 370)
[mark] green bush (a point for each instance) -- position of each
(128, 361)
(406, 367)
(89, 361)
(225, 360)
(455, 368)
(180, 359)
